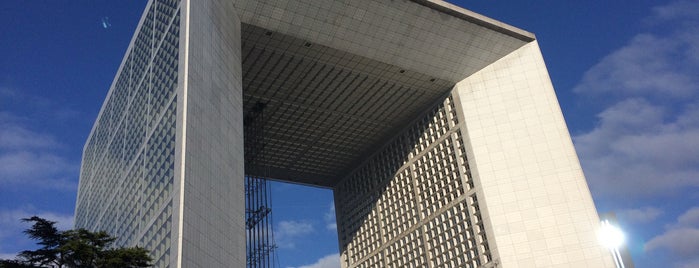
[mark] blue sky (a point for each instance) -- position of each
(626, 76)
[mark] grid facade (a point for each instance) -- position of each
(127, 171)
(413, 203)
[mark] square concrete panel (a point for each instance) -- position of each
(437, 128)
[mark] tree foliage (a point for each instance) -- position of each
(77, 248)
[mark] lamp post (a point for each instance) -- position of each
(612, 237)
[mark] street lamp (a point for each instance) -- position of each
(612, 238)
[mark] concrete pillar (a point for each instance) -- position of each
(209, 190)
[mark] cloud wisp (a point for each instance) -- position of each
(681, 239)
(287, 232)
(329, 217)
(640, 215)
(32, 158)
(646, 140)
(13, 136)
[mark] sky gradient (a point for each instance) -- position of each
(626, 77)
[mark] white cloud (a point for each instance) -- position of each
(640, 215)
(647, 65)
(40, 105)
(689, 218)
(329, 261)
(294, 228)
(30, 158)
(681, 239)
(14, 136)
(329, 217)
(21, 165)
(634, 152)
(287, 232)
(660, 63)
(646, 140)
(688, 264)
(331, 226)
(677, 10)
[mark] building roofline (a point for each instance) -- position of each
(478, 19)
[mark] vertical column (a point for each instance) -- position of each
(209, 228)
(532, 193)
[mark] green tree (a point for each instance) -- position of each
(77, 248)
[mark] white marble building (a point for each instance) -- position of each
(437, 128)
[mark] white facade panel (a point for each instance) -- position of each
(212, 199)
(536, 200)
